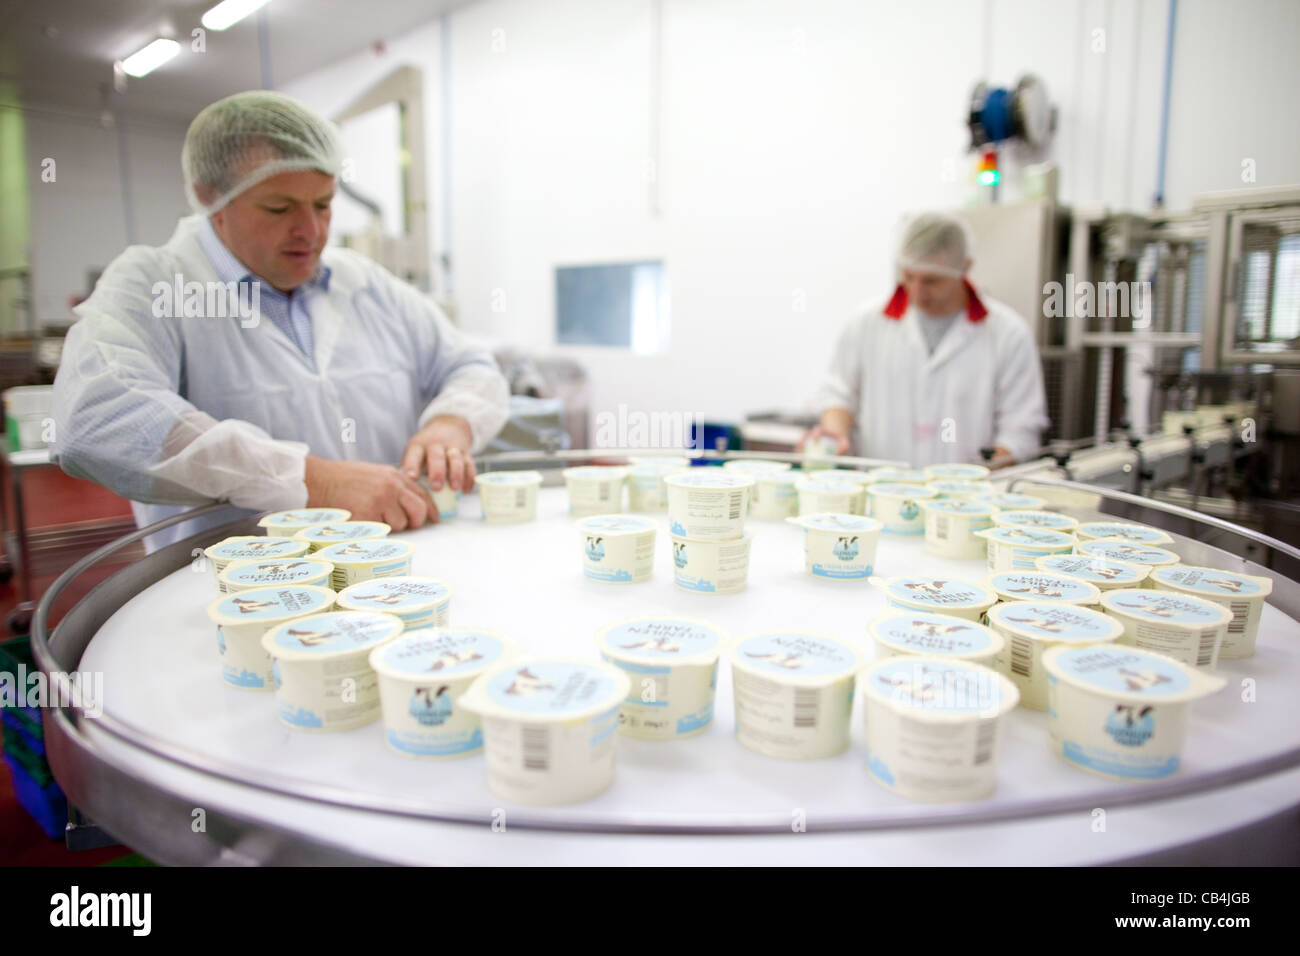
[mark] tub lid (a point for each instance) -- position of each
(305, 517)
(434, 653)
(1042, 586)
(755, 466)
(366, 552)
(615, 524)
(829, 521)
(282, 571)
(270, 604)
(909, 476)
(1027, 537)
(509, 478)
(662, 640)
(1052, 621)
(796, 657)
(958, 506)
(325, 635)
(1038, 520)
(1007, 499)
(396, 594)
(1165, 607)
(710, 478)
(832, 486)
(1087, 568)
(548, 689)
(254, 547)
(780, 477)
(954, 486)
(939, 688)
(891, 489)
(1129, 674)
(840, 474)
(940, 635)
(596, 472)
(1131, 553)
(344, 531)
(1214, 583)
(936, 593)
(957, 472)
(649, 466)
(1123, 531)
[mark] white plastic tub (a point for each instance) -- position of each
(956, 471)
(508, 497)
(323, 535)
(710, 566)
(672, 664)
(1016, 549)
(1145, 555)
(285, 524)
(793, 693)
(1104, 575)
(1036, 520)
(934, 727)
(323, 677)
(1242, 594)
(28, 412)
(357, 561)
(897, 476)
(1122, 531)
(708, 503)
(422, 676)
(251, 548)
(1188, 629)
(595, 489)
(1030, 627)
(548, 728)
(921, 633)
(839, 546)
(898, 506)
(446, 499)
(950, 526)
(939, 594)
(246, 575)
(1121, 712)
(617, 549)
(416, 601)
(774, 495)
(818, 495)
(1044, 586)
(646, 489)
(243, 618)
(1011, 501)
(966, 490)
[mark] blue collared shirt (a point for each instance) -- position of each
(290, 313)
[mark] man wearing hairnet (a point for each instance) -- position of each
(245, 362)
(939, 371)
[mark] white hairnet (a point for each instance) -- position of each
(936, 242)
(235, 143)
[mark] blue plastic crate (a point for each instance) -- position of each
(47, 805)
(35, 743)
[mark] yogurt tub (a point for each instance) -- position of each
(667, 462)
(754, 466)
(708, 503)
(672, 663)
(956, 472)
(548, 728)
(711, 566)
(956, 488)
(1144, 555)
(242, 619)
(898, 476)
(617, 548)
(508, 496)
(1121, 712)
(845, 474)
(422, 676)
(937, 594)
(1188, 629)
(1242, 594)
(934, 726)
(1016, 549)
(251, 548)
(839, 545)
(817, 452)
(323, 677)
(246, 575)
(446, 500)
(356, 561)
(285, 524)
(901, 632)
(1121, 531)
(898, 506)
(1031, 627)
(950, 526)
(774, 495)
(417, 602)
(1010, 501)
(818, 495)
(1037, 520)
(595, 489)
(1044, 586)
(1105, 575)
(646, 490)
(793, 693)
(323, 535)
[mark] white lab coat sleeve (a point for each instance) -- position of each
(842, 385)
(1020, 415)
(120, 419)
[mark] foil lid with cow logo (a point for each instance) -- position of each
(1165, 607)
(1129, 674)
(337, 632)
(270, 604)
(1038, 586)
(1052, 621)
(796, 656)
(555, 689)
(937, 592)
(1126, 551)
(662, 641)
(1213, 583)
(919, 632)
(939, 686)
(435, 653)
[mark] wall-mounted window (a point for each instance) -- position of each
(621, 305)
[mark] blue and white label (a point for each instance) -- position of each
(1132, 533)
(1046, 520)
(305, 519)
(664, 638)
(435, 744)
(1162, 606)
(396, 595)
(710, 478)
(553, 688)
(920, 633)
(1125, 670)
(1055, 622)
(335, 632)
(1095, 570)
(1132, 553)
(365, 552)
(1031, 586)
(960, 506)
(345, 531)
(951, 687)
(938, 593)
(1219, 583)
(1109, 763)
(616, 524)
(271, 603)
(283, 571)
(446, 652)
(793, 654)
(1034, 538)
(256, 548)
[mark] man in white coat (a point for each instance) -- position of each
(939, 371)
(244, 362)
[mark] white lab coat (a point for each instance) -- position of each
(178, 412)
(982, 387)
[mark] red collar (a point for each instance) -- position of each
(975, 308)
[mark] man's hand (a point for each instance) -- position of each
(1002, 457)
(371, 492)
(441, 450)
(836, 423)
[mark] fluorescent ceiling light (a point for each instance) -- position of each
(229, 12)
(151, 57)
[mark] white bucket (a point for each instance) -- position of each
(243, 618)
(1030, 627)
(617, 549)
(711, 566)
(839, 546)
(1242, 594)
(1188, 629)
(508, 497)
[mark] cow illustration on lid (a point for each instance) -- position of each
(311, 638)
(1157, 611)
(249, 606)
(926, 587)
(1105, 571)
(430, 707)
(1052, 627)
(527, 683)
(662, 645)
(1225, 583)
(348, 550)
(285, 567)
(919, 690)
(454, 659)
(1142, 680)
(931, 629)
(1023, 535)
(1041, 590)
(389, 599)
(790, 660)
(1128, 551)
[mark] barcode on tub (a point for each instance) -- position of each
(984, 741)
(805, 707)
(1205, 653)
(521, 498)
(941, 527)
(1240, 611)
(1022, 656)
(339, 579)
(735, 506)
(537, 748)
